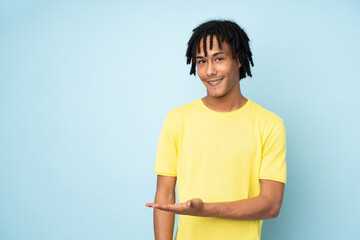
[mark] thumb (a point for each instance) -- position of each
(188, 203)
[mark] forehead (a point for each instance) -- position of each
(225, 47)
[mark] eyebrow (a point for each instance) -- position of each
(215, 54)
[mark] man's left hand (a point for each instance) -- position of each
(192, 207)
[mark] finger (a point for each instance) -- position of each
(177, 208)
(169, 208)
(151, 204)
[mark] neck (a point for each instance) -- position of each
(226, 103)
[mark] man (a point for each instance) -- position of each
(226, 153)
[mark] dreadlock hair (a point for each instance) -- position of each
(224, 30)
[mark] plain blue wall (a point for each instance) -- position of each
(85, 87)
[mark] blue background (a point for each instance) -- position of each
(85, 87)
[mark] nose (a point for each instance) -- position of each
(211, 69)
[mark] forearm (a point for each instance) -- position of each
(163, 220)
(246, 209)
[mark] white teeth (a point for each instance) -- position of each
(214, 82)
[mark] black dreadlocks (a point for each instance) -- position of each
(228, 31)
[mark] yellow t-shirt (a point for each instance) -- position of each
(220, 157)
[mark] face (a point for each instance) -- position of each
(217, 65)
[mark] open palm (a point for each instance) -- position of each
(191, 207)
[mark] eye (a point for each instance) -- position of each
(219, 59)
(201, 61)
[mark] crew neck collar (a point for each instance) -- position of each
(207, 109)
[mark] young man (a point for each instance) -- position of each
(226, 153)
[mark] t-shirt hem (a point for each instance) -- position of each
(275, 179)
(165, 173)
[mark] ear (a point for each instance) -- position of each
(238, 63)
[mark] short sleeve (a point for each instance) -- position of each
(273, 161)
(167, 148)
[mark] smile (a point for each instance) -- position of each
(215, 83)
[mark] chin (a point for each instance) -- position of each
(217, 95)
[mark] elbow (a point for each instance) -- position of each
(270, 214)
(272, 209)
(275, 211)
(274, 215)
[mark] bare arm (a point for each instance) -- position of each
(265, 206)
(163, 220)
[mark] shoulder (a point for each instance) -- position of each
(175, 117)
(180, 112)
(265, 115)
(269, 123)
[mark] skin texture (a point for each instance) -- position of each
(164, 220)
(219, 64)
(265, 206)
(225, 97)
